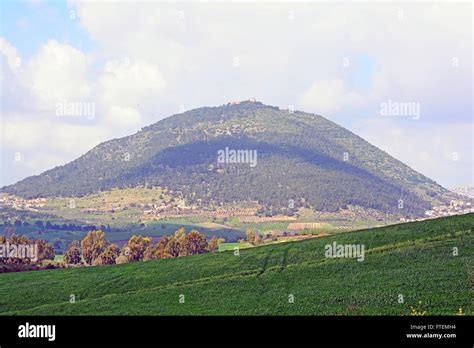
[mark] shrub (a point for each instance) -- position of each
(110, 254)
(73, 253)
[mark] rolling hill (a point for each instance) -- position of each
(415, 260)
(302, 158)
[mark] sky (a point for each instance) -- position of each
(397, 74)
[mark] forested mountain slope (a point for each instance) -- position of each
(300, 156)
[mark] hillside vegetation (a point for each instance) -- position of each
(301, 157)
(415, 260)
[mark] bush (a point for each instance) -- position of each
(73, 253)
(110, 254)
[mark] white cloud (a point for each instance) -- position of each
(152, 33)
(125, 88)
(444, 149)
(31, 134)
(44, 135)
(128, 83)
(43, 144)
(56, 73)
(11, 54)
(60, 73)
(123, 117)
(13, 95)
(328, 97)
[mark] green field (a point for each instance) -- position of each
(116, 207)
(414, 260)
(233, 246)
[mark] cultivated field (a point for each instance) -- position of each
(408, 268)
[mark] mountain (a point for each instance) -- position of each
(302, 160)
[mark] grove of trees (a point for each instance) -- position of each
(95, 249)
(39, 251)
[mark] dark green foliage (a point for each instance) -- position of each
(300, 158)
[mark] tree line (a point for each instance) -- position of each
(95, 249)
(47, 225)
(44, 252)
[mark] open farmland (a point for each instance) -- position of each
(415, 260)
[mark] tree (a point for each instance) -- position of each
(194, 243)
(19, 240)
(250, 236)
(136, 247)
(161, 252)
(180, 232)
(150, 252)
(163, 242)
(172, 247)
(258, 239)
(110, 254)
(45, 251)
(3, 240)
(157, 251)
(214, 242)
(73, 253)
(93, 244)
(180, 237)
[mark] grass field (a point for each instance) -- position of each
(233, 246)
(413, 260)
(116, 207)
